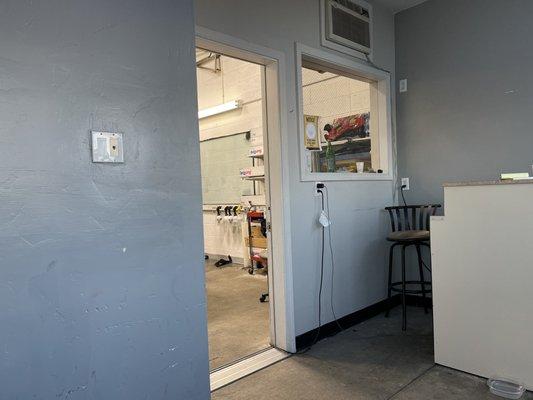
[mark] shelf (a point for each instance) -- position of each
(254, 178)
(344, 141)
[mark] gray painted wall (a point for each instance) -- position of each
(467, 113)
(359, 224)
(101, 271)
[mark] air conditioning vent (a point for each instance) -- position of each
(348, 24)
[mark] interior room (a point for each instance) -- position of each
(303, 199)
(230, 104)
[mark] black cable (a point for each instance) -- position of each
(321, 276)
(403, 197)
(368, 60)
(315, 340)
(402, 187)
(425, 266)
(332, 265)
(423, 263)
(322, 256)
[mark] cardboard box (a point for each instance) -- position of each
(258, 242)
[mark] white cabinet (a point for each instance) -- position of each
(482, 262)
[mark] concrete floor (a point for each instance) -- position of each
(238, 324)
(373, 360)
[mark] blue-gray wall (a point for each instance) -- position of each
(101, 271)
(468, 112)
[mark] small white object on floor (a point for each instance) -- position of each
(505, 388)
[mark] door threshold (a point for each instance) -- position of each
(224, 376)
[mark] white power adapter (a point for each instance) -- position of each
(323, 219)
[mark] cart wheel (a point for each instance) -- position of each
(251, 270)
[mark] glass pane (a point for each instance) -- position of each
(337, 111)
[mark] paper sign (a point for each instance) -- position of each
(311, 132)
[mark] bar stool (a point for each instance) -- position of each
(409, 227)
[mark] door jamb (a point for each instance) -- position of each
(281, 286)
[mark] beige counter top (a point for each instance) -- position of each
(487, 183)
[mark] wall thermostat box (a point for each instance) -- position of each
(107, 147)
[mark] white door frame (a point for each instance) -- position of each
(277, 161)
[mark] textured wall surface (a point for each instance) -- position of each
(467, 113)
(359, 224)
(101, 271)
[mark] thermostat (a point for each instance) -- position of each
(107, 147)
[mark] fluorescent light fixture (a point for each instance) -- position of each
(222, 108)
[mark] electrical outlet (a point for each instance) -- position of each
(405, 182)
(316, 188)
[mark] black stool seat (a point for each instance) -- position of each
(410, 227)
(408, 236)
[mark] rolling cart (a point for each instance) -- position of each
(257, 239)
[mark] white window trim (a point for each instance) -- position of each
(384, 124)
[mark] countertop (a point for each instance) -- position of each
(488, 183)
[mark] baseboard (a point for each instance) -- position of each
(306, 339)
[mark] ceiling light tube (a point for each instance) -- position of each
(221, 108)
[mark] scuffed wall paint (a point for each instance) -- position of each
(101, 271)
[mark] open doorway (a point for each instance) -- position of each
(234, 195)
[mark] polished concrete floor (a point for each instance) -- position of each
(238, 324)
(373, 360)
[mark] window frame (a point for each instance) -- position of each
(380, 99)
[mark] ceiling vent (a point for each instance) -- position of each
(347, 24)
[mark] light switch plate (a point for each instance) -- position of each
(403, 85)
(107, 147)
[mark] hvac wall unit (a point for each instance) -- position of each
(347, 26)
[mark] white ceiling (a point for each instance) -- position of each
(399, 5)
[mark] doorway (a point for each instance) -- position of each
(231, 104)
(276, 161)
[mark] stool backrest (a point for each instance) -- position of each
(416, 217)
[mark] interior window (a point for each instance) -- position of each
(338, 122)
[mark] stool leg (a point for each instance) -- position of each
(421, 270)
(404, 305)
(389, 292)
